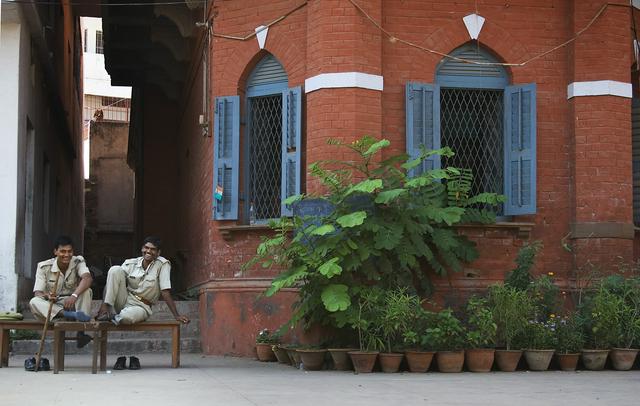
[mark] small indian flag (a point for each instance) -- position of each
(218, 193)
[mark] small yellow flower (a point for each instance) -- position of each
(550, 273)
(552, 315)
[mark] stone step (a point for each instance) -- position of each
(114, 346)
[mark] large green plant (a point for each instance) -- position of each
(512, 310)
(600, 316)
(447, 332)
(386, 228)
(396, 311)
(481, 327)
(627, 309)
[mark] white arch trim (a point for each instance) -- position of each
(599, 88)
(343, 80)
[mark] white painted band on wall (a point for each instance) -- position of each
(599, 88)
(342, 80)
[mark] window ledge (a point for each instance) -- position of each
(227, 232)
(522, 229)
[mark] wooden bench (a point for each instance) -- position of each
(5, 326)
(100, 329)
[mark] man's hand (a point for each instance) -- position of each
(52, 297)
(183, 319)
(70, 303)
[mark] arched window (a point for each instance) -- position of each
(489, 124)
(271, 154)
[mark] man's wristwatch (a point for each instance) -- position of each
(74, 295)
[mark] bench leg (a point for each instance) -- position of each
(57, 337)
(94, 360)
(4, 348)
(175, 347)
(102, 337)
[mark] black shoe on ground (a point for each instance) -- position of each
(121, 363)
(30, 364)
(44, 365)
(134, 363)
(82, 339)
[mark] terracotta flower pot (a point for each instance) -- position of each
(538, 360)
(341, 359)
(419, 361)
(479, 359)
(623, 358)
(568, 362)
(363, 361)
(594, 360)
(312, 360)
(507, 360)
(390, 362)
(281, 354)
(265, 353)
(450, 361)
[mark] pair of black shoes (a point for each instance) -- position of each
(121, 363)
(30, 364)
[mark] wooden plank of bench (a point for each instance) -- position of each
(5, 326)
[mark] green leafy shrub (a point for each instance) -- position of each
(520, 277)
(600, 316)
(512, 310)
(386, 228)
(447, 332)
(397, 311)
(540, 335)
(482, 329)
(569, 335)
(267, 337)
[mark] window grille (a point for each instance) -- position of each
(472, 126)
(265, 155)
(99, 43)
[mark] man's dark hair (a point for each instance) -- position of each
(153, 240)
(62, 240)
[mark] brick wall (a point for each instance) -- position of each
(583, 144)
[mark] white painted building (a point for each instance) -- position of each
(40, 132)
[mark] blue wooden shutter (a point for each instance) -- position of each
(423, 123)
(291, 145)
(226, 155)
(520, 149)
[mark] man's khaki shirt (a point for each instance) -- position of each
(147, 283)
(69, 280)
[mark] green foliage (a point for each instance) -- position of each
(600, 316)
(267, 337)
(447, 332)
(512, 308)
(397, 310)
(569, 335)
(386, 228)
(482, 329)
(520, 277)
(366, 320)
(540, 335)
(613, 314)
(545, 296)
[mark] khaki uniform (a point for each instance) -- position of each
(68, 282)
(131, 289)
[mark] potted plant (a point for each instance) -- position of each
(395, 312)
(601, 324)
(419, 351)
(369, 334)
(448, 335)
(481, 335)
(569, 341)
(355, 237)
(628, 320)
(264, 343)
(311, 357)
(511, 309)
(540, 344)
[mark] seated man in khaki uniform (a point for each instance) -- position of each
(133, 287)
(72, 298)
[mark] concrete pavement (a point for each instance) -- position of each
(209, 380)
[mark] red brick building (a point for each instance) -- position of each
(543, 114)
